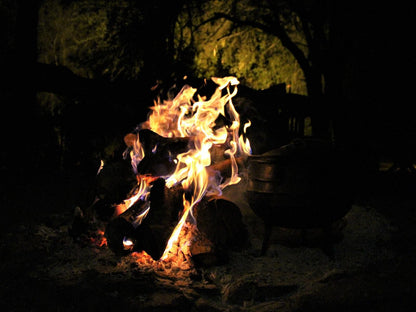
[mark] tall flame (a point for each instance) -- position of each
(196, 120)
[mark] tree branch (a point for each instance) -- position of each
(276, 30)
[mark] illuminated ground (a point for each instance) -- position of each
(373, 268)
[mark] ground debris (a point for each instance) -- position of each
(42, 261)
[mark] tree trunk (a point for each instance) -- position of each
(160, 17)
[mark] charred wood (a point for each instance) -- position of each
(160, 152)
(152, 232)
(165, 207)
(114, 183)
(220, 220)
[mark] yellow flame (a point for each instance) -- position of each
(196, 120)
(245, 144)
(141, 190)
(175, 234)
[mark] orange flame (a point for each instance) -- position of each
(196, 120)
(141, 191)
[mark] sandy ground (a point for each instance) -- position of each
(373, 269)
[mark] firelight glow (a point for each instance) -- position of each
(195, 120)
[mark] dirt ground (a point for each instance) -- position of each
(43, 269)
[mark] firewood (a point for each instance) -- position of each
(154, 230)
(221, 221)
(127, 228)
(204, 253)
(165, 207)
(160, 152)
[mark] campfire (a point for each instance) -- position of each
(188, 151)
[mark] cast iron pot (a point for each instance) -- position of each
(304, 184)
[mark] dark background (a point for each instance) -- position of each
(60, 119)
(364, 105)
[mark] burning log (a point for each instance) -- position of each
(147, 225)
(160, 152)
(176, 144)
(124, 232)
(112, 184)
(219, 226)
(165, 208)
(221, 221)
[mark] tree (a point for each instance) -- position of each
(302, 27)
(101, 56)
(217, 46)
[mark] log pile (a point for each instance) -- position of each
(147, 225)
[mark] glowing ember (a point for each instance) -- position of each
(179, 254)
(143, 259)
(128, 243)
(183, 117)
(99, 240)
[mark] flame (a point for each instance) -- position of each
(140, 217)
(175, 234)
(141, 191)
(128, 244)
(196, 120)
(101, 167)
(245, 144)
(136, 153)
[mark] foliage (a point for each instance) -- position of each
(105, 39)
(220, 47)
(93, 38)
(121, 40)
